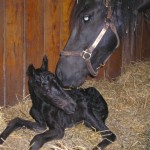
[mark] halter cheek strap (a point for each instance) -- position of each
(86, 54)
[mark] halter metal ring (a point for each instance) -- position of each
(86, 55)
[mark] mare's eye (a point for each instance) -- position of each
(86, 18)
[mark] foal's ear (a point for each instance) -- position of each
(144, 6)
(31, 70)
(44, 66)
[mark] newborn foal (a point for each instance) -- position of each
(56, 109)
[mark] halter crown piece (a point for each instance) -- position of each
(87, 53)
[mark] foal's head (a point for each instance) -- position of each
(47, 88)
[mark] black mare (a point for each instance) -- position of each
(55, 109)
(89, 19)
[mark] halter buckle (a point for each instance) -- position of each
(86, 55)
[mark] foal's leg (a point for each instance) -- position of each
(37, 116)
(40, 139)
(16, 124)
(107, 135)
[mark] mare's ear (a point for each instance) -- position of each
(144, 6)
(31, 70)
(44, 66)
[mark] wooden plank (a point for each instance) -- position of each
(145, 50)
(34, 32)
(1, 52)
(113, 67)
(138, 37)
(101, 73)
(52, 21)
(128, 50)
(67, 6)
(14, 49)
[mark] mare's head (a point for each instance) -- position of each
(96, 29)
(46, 88)
(90, 18)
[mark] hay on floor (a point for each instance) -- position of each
(128, 100)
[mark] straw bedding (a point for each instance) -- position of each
(128, 99)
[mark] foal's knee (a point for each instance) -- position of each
(40, 139)
(15, 123)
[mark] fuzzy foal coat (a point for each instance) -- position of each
(56, 109)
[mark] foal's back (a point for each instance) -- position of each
(89, 102)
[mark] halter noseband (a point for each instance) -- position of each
(86, 54)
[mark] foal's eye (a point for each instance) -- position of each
(37, 78)
(86, 18)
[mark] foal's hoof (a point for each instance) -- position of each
(1, 141)
(97, 148)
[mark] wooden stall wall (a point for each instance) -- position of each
(30, 29)
(2, 87)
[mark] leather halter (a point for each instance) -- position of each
(86, 54)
